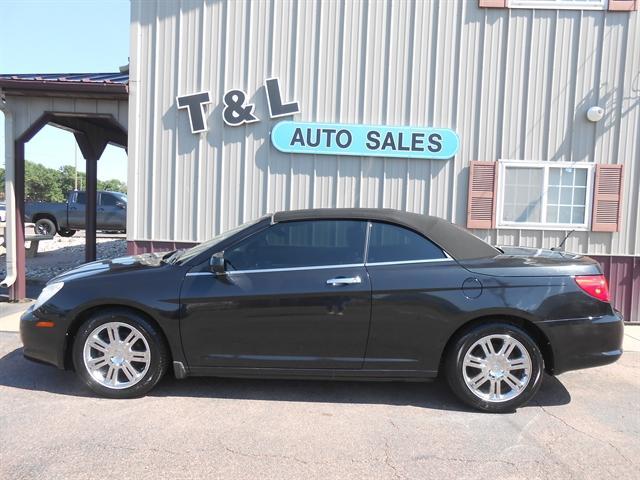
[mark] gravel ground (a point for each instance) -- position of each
(61, 254)
(582, 425)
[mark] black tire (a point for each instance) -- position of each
(158, 352)
(65, 232)
(46, 226)
(455, 370)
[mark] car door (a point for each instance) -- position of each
(110, 212)
(76, 208)
(416, 296)
(295, 295)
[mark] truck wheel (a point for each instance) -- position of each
(44, 226)
(65, 232)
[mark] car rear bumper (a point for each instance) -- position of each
(584, 342)
(42, 344)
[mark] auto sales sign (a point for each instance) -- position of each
(325, 138)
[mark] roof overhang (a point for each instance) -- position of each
(18, 85)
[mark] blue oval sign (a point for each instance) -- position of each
(365, 140)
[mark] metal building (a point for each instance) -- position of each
(537, 103)
(515, 81)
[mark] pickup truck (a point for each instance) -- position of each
(65, 218)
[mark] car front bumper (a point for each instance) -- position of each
(43, 344)
(584, 342)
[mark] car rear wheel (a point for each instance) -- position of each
(45, 226)
(495, 367)
(119, 354)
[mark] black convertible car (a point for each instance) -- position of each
(365, 294)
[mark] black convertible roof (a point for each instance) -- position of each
(455, 240)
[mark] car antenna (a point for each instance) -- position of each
(559, 247)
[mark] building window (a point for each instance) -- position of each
(559, 4)
(544, 195)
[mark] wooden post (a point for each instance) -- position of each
(18, 290)
(91, 209)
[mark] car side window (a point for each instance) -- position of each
(392, 243)
(108, 200)
(81, 197)
(296, 244)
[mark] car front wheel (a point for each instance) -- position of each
(119, 354)
(495, 367)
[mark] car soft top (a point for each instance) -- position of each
(455, 240)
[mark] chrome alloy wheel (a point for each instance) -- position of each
(116, 355)
(497, 368)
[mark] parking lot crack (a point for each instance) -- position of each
(269, 456)
(576, 429)
(387, 457)
(465, 460)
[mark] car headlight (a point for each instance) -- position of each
(47, 294)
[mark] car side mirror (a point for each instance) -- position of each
(121, 205)
(217, 264)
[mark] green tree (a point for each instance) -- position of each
(67, 179)
(112, 185)
(41, 183)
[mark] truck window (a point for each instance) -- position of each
(108, 200)
(81, 197)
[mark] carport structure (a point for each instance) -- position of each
(94, 107)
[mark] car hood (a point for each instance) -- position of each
(117, 265)
(533, 262)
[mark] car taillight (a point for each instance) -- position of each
(594, 285)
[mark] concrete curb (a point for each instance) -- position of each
(10, 322)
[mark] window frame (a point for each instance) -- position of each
(558, 4)
(305, 267)
(367, 263)
(108, 195)
(503, 164)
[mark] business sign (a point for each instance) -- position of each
(323, 138)
(365, 140)
(236, 110)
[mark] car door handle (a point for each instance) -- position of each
(338, 281)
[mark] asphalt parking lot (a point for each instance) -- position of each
(584, 424)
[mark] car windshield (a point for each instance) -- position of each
(186, 255)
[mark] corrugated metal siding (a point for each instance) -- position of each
(513, 83)
(623, 274)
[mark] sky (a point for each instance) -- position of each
(65, 36)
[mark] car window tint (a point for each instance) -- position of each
(108, 200)
(81, 197)
(301, 244)
(391, 243)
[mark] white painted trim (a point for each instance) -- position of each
(501, 224)
(558, 4)
(10, 197)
